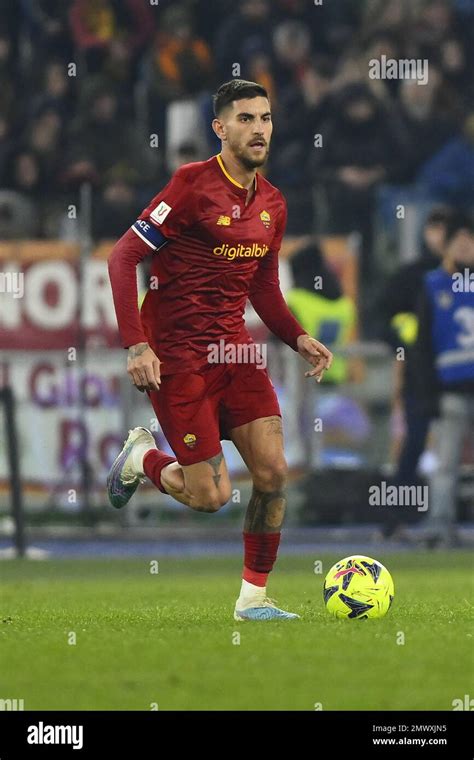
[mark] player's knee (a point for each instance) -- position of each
(210, 504)
(271, 475)
(211, 500)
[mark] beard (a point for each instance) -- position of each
(247, 161)
(253, 163)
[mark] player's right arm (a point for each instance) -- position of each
(167, 216)
(143, 366)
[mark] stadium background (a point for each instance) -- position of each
(99, 103)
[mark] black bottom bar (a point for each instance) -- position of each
(329, 734)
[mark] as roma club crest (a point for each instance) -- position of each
(190, 440)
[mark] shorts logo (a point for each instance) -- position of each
(265, 217)
(160, 213)
(190, 440)
(224, 221)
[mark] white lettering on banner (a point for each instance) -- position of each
(39, 278)
(52, 297)
(10, 308)
(98, 302)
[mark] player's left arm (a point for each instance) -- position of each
(268, 301)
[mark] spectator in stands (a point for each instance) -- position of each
(44, 139)
(441, 37)
(95, 129)
(301, 108)
(19, 218)
(273, 41)
(444, 369)
(292, 61)
(117, 201)
(97, 134)
(24, 173)
(427, 125)
(8, 96)
(465, 24)
(339, 24)
(96, 24)
(353, 65)
(455, 65)
(317, 301)
(394, 15)
(119, 73)
(47, 24)
(397, 309)
(6, 143)
(448, 177)
(260, 69)
(435, 22)
(247, 29)
(292, 49)
(180, 63)
(19, 201)
(361, 148)
(56, 91)
(179, 70)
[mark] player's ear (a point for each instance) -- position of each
(219, 129)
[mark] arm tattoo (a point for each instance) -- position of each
(215, 463)
(265, 512)
(137, 350)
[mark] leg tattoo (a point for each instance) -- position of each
(273, 426)
(215, 463)
(265, 512)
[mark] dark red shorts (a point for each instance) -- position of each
(197, 411)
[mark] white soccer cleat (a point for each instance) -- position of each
(127, 473)
(261, 608)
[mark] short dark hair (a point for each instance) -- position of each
(439, 215)
(458, 221)
(236, 89)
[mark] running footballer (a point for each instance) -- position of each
(214, 233)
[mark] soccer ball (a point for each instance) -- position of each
(358, 587)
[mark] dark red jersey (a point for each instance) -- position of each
(211, 252)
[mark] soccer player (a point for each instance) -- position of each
(214, 233)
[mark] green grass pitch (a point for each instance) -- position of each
(169, 639)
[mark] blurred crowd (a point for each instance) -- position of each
(117, 93)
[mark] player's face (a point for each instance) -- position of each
(461, 249)
(434, 234)
(247, 130)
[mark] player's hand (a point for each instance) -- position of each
(143, 366)
(316, 354)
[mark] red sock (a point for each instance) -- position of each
(153, 463)
(260, 553)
